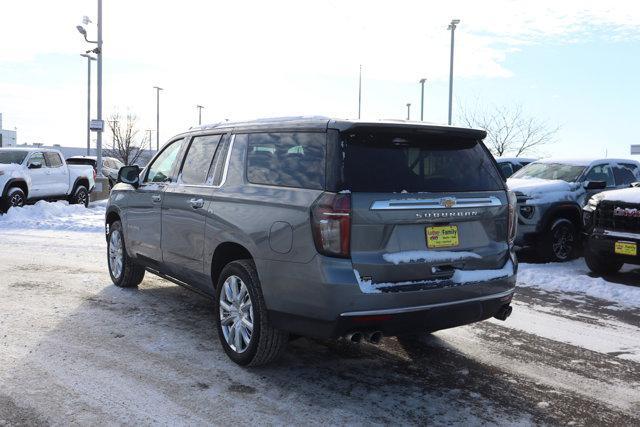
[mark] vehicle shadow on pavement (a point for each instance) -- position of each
(151, 355)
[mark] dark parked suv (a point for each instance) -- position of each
(319, 227)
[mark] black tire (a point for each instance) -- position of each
(131, 274)
(15, 199)
(560, 243)
(266, 343)
(599, 264)
(80, 196)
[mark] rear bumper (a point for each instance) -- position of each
(323, 299)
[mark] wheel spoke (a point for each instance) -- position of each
(247, 324)
(237, 337)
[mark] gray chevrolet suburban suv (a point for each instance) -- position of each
(323, 228)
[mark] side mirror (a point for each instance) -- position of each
(595, 185)
(130, 175)
(35, 165)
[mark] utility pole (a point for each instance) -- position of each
(360, 92)
(452, 28)
(89, 59)
(149, 136)
(99, 53)
(408, 111)
(422, 81)
(158, 89)
(199, 107)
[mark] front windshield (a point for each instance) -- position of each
(8, 157)
(561, 171)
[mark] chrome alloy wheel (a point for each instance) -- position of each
(81, 197)
(236, 314)
(116, 253)
(16, 200)
(562, 242)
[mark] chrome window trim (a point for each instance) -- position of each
(224, 171)
(436, 203)
(621, 234)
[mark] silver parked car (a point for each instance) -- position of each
(551, 194)
(318, 227)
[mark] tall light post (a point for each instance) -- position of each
(452, 27)
(360, 92)
(199, 107)
(408, 111)
(158, 89)
(98, 52)
(422, 82)
(89, 59)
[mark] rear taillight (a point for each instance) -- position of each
(513, 218)
(331, 224)
(95, 175)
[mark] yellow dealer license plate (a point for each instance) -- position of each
(626, 248)
(445, 236)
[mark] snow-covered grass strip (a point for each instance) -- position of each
(573, 278)
(428, 256)
(56, 216)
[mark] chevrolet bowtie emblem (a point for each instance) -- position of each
(448, 202)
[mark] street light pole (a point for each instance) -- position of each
(452, 28)
(89, 59)
(199, 107)
(422, 81)
(158, 89)
(408, 111)
(99, 53)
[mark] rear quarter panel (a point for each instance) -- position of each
(246, 213)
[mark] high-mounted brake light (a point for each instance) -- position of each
(331, 224)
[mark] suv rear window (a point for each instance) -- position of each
(386, 162)
(287, 159)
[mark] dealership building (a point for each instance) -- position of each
(8, 138)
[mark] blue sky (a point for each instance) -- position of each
(573, 65)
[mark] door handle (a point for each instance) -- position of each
(156, 198)
(196, 203)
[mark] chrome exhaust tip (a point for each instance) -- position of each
(354, 337)
(375, 337)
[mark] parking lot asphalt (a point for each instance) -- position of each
(74, 349)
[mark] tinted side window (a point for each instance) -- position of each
(601, 173)
(623, 175)
(198, 159)
(505, 169)
(291, 159)
(160, 169)
(37, 158)
(53, 160)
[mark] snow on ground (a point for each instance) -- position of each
(573, 280)
(56, 216)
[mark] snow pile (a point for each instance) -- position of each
(627, 195)
(56, 216)
(545, 190)
(460, 277)
(572, 278)
(428, 256)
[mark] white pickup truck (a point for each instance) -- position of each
(31, 174)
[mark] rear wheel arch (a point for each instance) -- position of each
(225, 253)
(79, 182)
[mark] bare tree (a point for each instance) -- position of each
(509, 129)
(125, 144)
